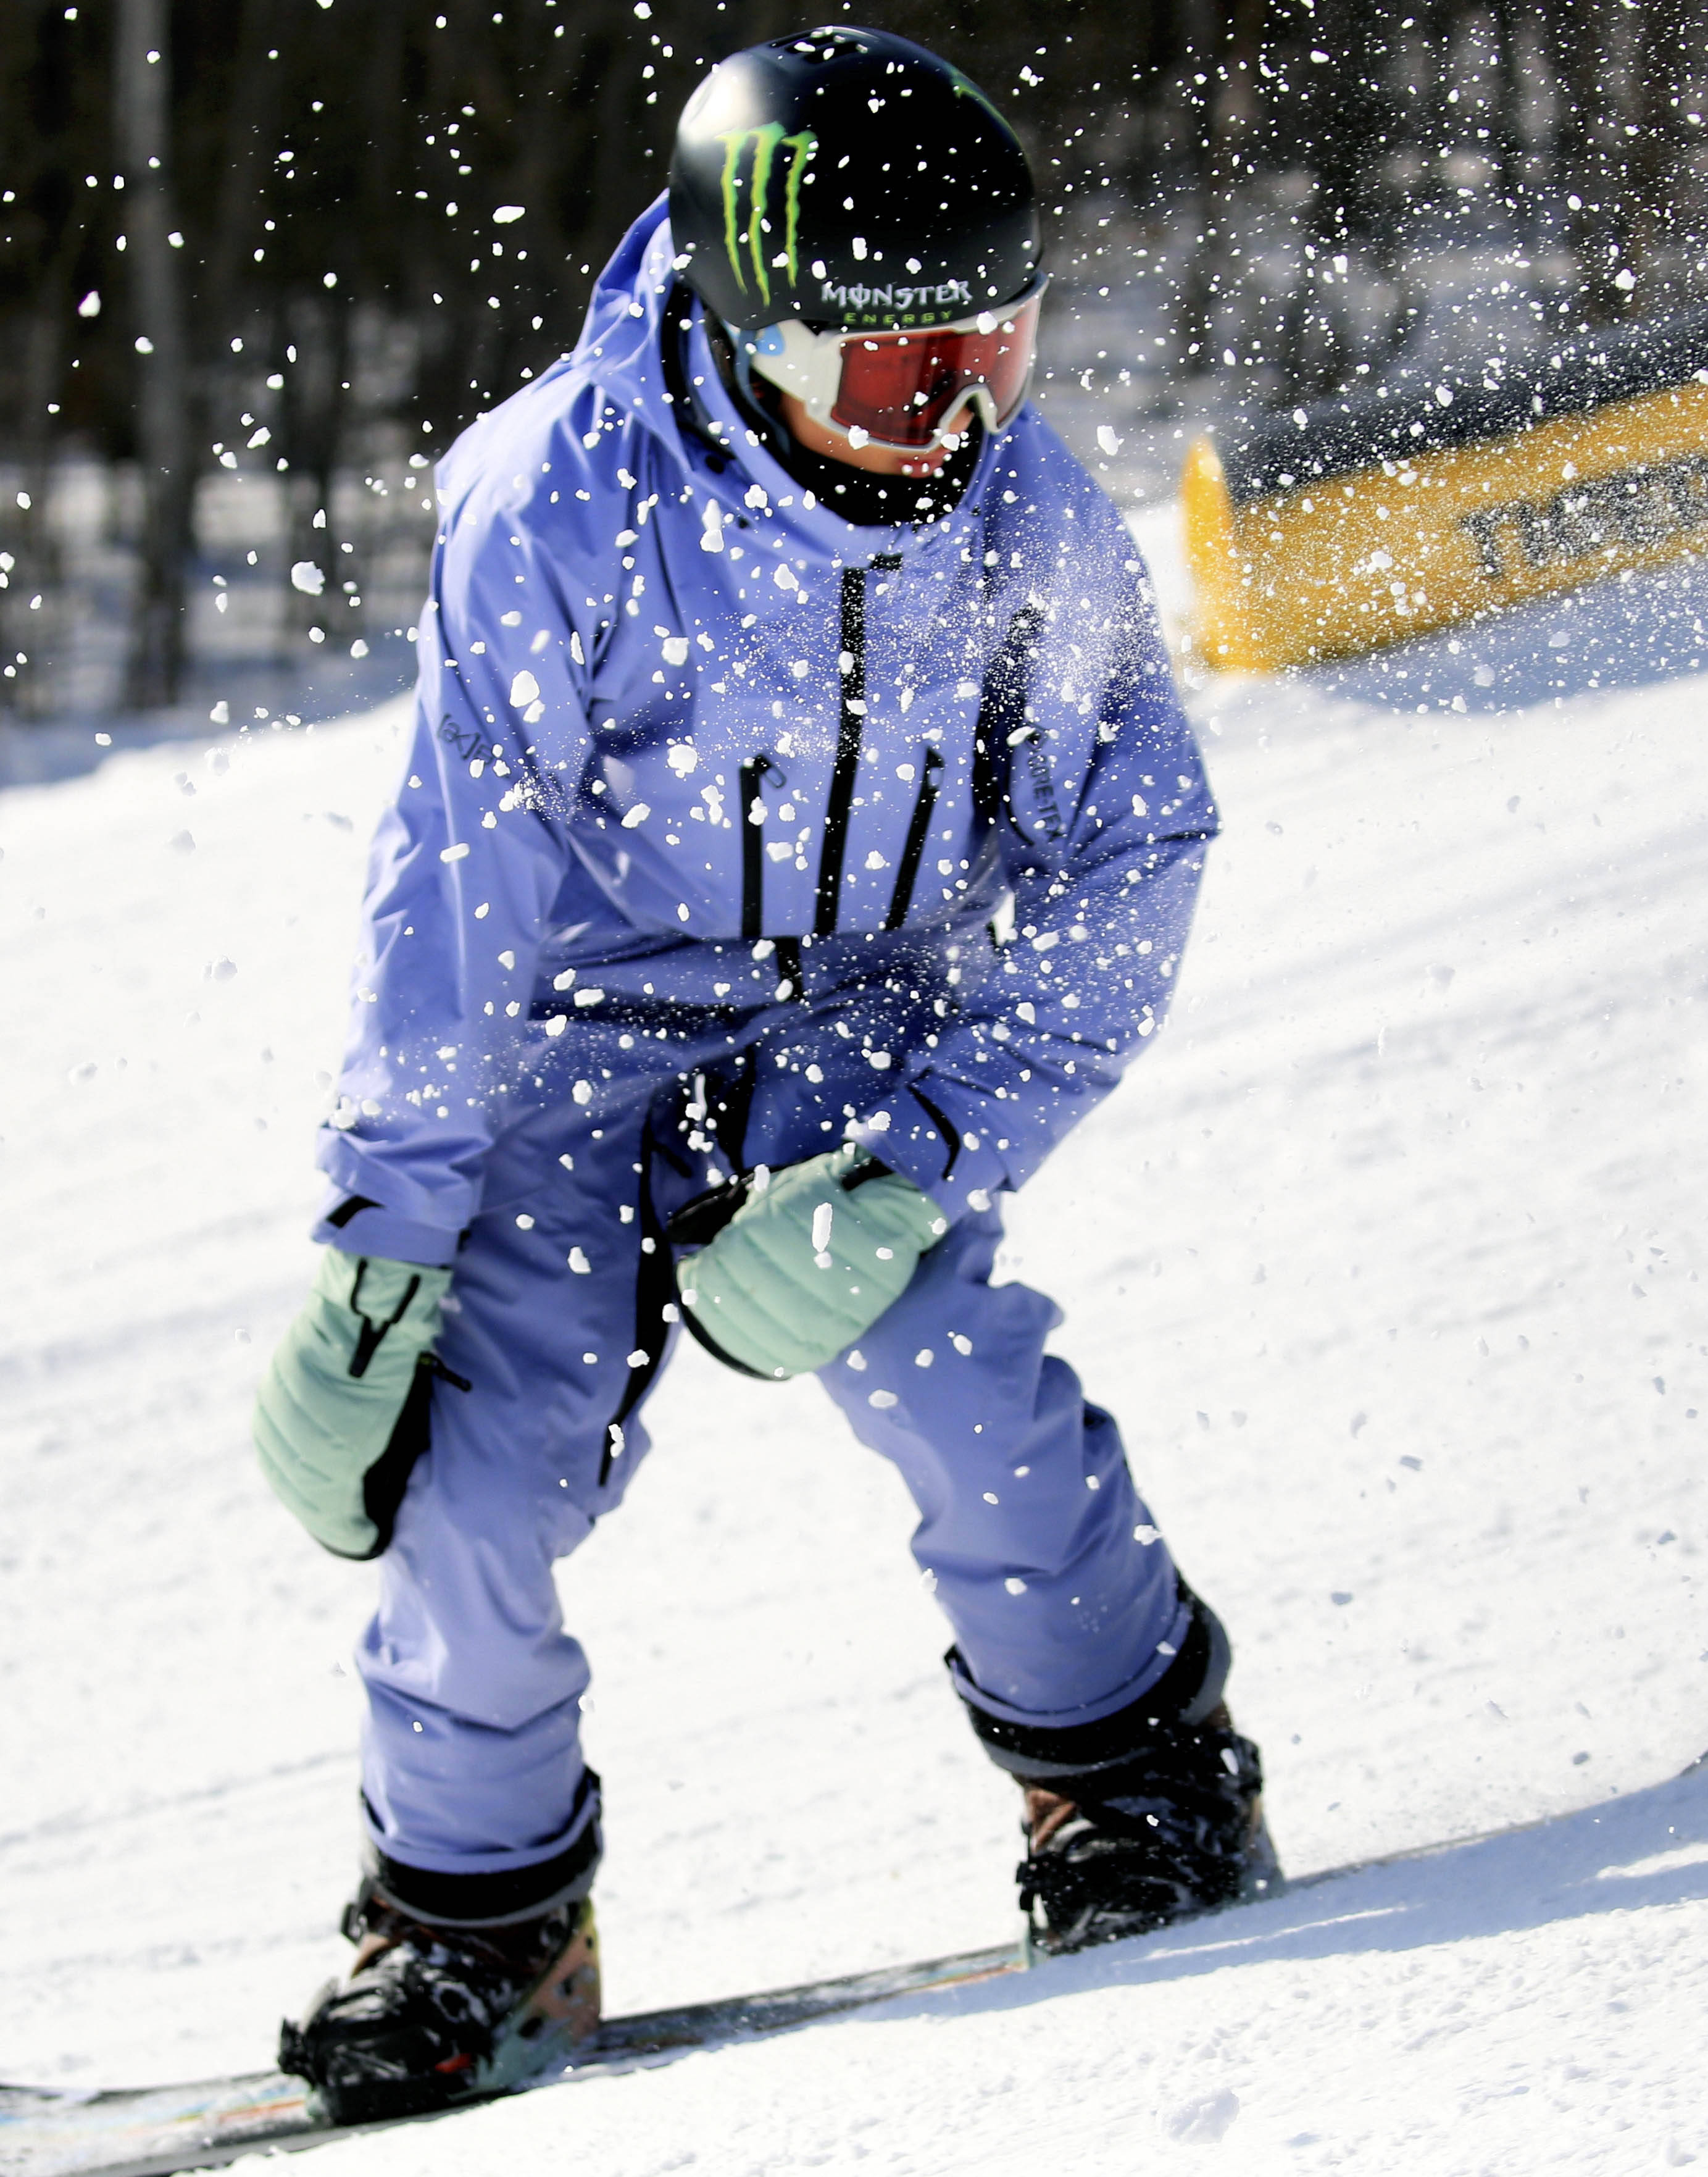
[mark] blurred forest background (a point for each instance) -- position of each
(261, 260)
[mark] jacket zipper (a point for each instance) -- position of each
(850, 733)
(919, 829)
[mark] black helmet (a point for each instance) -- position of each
(849, 179)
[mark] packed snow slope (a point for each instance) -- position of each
(1387, 1256)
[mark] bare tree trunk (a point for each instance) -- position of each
(142, 119)
(1506, 115)
(33, 606)
(1661, 69)
(1587, 160)
(1224, 123)
(1351, 130)
(252, 121)
(312, 417)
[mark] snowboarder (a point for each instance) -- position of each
(778, 657)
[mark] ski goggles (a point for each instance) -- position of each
(903, 389)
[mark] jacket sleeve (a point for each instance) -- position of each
(1104, 816)
(465, 866)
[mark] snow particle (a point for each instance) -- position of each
(1204, 2121)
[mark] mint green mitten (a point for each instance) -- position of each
(329, 1415)
(809, 1261)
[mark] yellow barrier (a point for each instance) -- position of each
(1353, 526)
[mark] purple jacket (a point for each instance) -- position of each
(672, 709)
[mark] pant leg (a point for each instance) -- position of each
(472, 1753)
(1061, 1593)
(473, 1762)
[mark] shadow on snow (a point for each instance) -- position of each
(1616, 634)
(1648, 1850)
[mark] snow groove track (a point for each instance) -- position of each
(1649, 1847)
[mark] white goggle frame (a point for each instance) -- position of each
(792, 358)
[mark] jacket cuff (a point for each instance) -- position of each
(921, 1135)
(362, 1227)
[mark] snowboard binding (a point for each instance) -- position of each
(1149, 1815)
(1176, 1831)
(434, 2015)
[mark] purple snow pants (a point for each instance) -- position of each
(1043, 1558)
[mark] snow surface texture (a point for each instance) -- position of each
(1386, 1255)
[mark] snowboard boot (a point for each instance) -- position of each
(433, 2014)
(1176, 1831)
(1148, 1816)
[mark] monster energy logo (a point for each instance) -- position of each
(765, 144)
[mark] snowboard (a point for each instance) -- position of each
(151, 2132)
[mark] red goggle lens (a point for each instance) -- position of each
(899, 387)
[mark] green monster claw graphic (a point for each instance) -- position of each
(805, 145)
(964, 87)
(765, 143)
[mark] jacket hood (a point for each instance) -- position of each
(621, 350)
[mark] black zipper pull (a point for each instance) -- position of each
(432, 1366)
